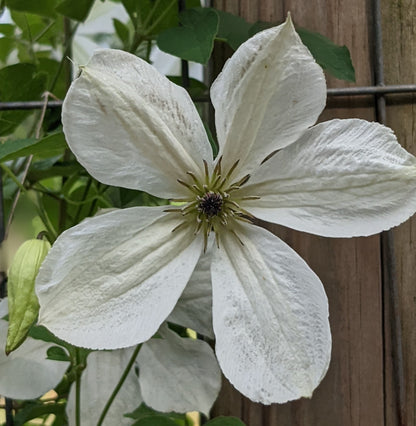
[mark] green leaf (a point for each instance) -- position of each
(78, 10)
(194, 40)
(51, 67)
(32, 410)
(7, 29)
(30, 24)
(40, 332)
(191, 4)
(143, 412)
(213, 142)
(149, 17)
(49, 146)
(225, 421)
(122, 31)
(232, 29)
(155, 421)
(331, 57)
(65, 170)
(39, 7)
(123, 198)
(37, 28)
(9, 148)
(196, 88)
(56, 353)
(6, 47)
(19, 82)
(259, 26)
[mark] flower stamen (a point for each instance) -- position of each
(232, 169)
(236, 235)
(193, 177)
(210, 203)
(217, 168)
(187, 185)
(206, 170)
(178, 226)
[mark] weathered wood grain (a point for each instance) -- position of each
(353, 392)
(399, 45)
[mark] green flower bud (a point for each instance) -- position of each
(23, 303)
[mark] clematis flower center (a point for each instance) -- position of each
(212, 205)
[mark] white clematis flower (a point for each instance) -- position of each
(175, 374)
(110, 281)
(26, 373)
(178, 374)
(98, 380)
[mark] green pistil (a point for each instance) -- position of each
(210, 204)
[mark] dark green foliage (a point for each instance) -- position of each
(77, 10)
(193, 40)
(19, 82)
(331, 57)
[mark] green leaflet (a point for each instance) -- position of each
(331, 57)
(77, 10)
(194, 39)
(46, 147)
(19, 82)
(232, 29)
(39, 7)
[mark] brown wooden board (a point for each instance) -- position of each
(359, 388)
(399, 45)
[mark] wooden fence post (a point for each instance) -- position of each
(399, 45)
(359, 388)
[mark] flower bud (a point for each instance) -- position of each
(23, 302)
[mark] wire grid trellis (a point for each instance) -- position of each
(389, 279)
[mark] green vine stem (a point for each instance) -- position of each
(77, 389)
(119, 385)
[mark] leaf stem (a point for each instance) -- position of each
(27, 166)
(29, 33)
(144, 34)
(83, 198)
(77, 390)
(151, 13)
(119, 385)
(66, 52)
(51, 232)
(160, 18)
(13, 177)
(44, 31)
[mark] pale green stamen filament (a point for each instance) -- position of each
(210, 202)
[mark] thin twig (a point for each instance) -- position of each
(27, 166)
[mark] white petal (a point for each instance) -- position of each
(26, 373)
(194, 307)
(110, 281)
(267, 95)
(270, 311)
(4, 308)
(343, 178)
(178, 374)
(98, 380)
(130, 126)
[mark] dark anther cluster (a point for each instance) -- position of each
(210, 204)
